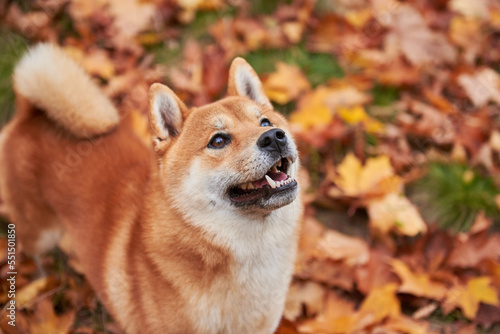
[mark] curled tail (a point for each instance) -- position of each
(53, 82)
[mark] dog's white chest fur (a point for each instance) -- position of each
(255, 294)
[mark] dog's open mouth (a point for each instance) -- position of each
(276, 180)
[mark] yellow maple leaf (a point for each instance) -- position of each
(382, 302)
(394, 212)
(467, 297)
(417, 284)
(356, 115)
(286, 84)
(312, 110)
(376, 177)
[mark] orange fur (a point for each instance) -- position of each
(154, 229)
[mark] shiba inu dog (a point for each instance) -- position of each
(195, 234)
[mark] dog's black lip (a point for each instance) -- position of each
(265, 192)
(292, 161)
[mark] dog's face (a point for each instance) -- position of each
(235, 154)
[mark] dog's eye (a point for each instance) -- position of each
(219, 141)
(265, 122)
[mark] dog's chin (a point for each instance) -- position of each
(266, 199)
(274, 189)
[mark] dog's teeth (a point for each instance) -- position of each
(271, 182)
(274, 169)
(244, 186)
(278, 164)
(250, 186)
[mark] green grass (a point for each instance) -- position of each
(266, 6)
(453, 194)
(197, 30)
(13, 46)
(318, 67)
(384, 95)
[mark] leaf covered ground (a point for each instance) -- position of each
(395, 107)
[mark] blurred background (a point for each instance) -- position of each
(395, 107)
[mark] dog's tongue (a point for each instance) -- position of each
(275, 176)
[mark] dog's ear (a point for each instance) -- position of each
(243, 81)
(166, 112)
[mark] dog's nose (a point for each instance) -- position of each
(272, 140)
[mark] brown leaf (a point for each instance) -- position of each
(376, 272)
(286, 327)
(337, 246)
(44, 320)
(416, 41)
(131, 16)
(482, 86)
(487, 315)
(470, 250)
(304, 295)
(333, 273)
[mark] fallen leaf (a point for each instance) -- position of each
(286, 84)
(467, 297)
(464, 31)
(404, 325)
(376, 272)
(304, 295)
(31, 291)
(487, 315)
(339, 317)
(417, 284)
(357, 115)
(382, 302)
(467, 329)
(356, 180)
(44, 320)
(470, 250)
(425, 311)
(337, 246)
(332, 273)
(481, 87)
(346, 96)
(417, 42)
(476, 8)
(427, 122)
(131, 16)
(395, 213)
(286, 327)
(312, 110)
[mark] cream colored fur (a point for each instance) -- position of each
(52, 81)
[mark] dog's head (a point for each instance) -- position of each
(236, 154)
